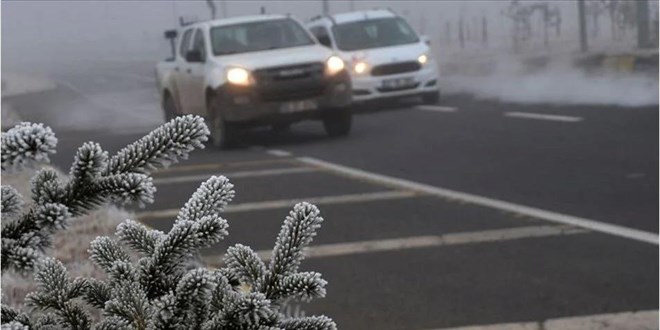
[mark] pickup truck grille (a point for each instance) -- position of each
(290, 72)
(394, 68)
(289, 83)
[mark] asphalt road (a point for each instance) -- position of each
(435, 217)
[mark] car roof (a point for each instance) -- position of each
(236, 20)
(362, 15)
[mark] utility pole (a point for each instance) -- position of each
(326, 7)
(211, 5)
(583, 26)
(643, 24)
(351, 5)
(223, 9)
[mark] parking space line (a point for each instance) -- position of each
(598, 226)
(625, 320)
(236, 175)
(287, 203)
(219, 166)
(396, 244)
(541, 116)
(278, 153)
(435, 108)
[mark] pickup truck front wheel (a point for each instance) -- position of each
(337, 122)
(223, 134)
(169, 109)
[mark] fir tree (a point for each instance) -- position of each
(160, 288)
(94, 179)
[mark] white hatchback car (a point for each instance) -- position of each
(386, 57)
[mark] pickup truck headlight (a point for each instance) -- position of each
(333, 65)
(422, 59)
(239, 76)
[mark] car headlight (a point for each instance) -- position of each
(422, 59)
(360, 67)
(239, 76)
(334, 64)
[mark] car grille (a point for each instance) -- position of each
(290, 83)
(394, 68)
(403, 88)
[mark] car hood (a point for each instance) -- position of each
(276, 57)
(384, 55)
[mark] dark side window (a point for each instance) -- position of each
(322, 35)
(185, 43)
(198, 44)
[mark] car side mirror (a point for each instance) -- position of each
(325, 41)
(194, 56)
(426, 39)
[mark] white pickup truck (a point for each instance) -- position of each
(254, 71)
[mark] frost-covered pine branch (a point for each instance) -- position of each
(158, 291)
(156, 287)
(94, 179)
(27, 144)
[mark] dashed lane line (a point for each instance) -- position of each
(278, 153)
(598, 226)
(221, 166)
(236, 175)
(288, 203)
(435, 108)
(541, 116)
(635, 320)
(396, 244)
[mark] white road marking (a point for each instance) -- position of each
(221, 166)
(598, 226)
(278, 153)
(236, 175)
(640, 320)
(288, 203)
(541, 116)
(397, 244)
(435, 108)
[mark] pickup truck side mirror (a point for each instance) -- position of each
(426, 39)
(194, 56)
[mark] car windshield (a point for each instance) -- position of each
(256, 36)
(374, 33)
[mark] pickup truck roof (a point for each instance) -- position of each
(236, 20)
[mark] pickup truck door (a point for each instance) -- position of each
(195, 75)
(181, 77)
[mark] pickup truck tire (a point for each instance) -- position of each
(169, 109)
(431, 98)
(337, 122)
(223, 134)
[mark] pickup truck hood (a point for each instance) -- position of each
(384, 55)
(276, 57)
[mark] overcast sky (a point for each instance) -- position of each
(34, 30)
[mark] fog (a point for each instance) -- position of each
(40, 37)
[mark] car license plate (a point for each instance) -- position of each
(297, 106)
(398, 83)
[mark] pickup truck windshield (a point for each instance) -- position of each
(374, 33)
(256, 36)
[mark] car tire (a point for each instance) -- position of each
(223, 133)
(431, 98)
(169, 108)
(337, 122)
